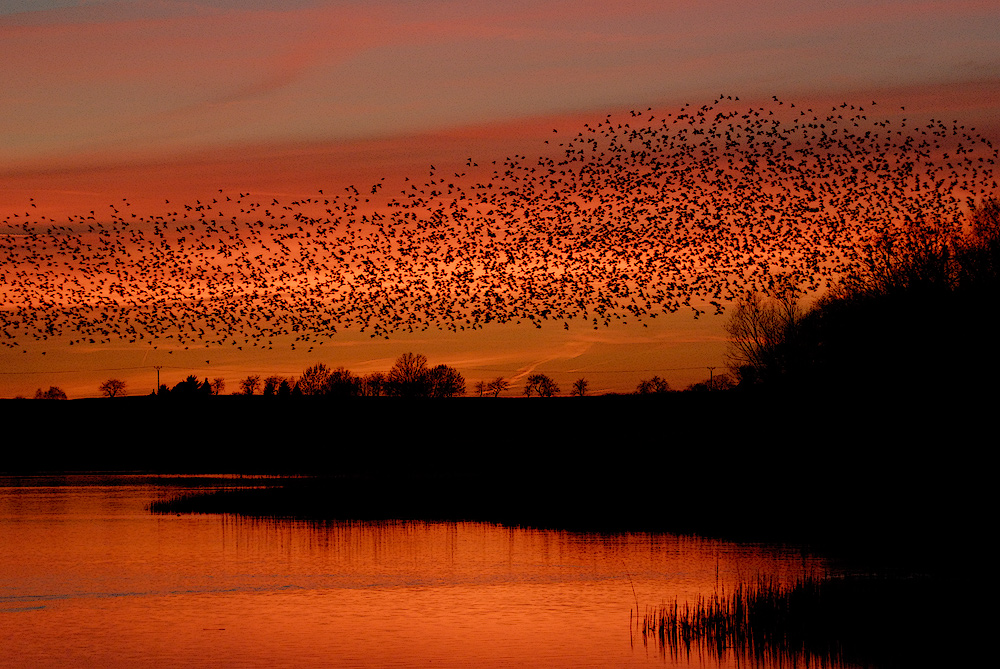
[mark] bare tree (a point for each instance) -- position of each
(541, 384)
(218, 385)
(314, 380)
(250, 385)
(762, 333)
(721, 382)
(409, 376)
(112, 388)
(373, 385)
(653, 386)
(480, 388)
(445, 381)
(580, 387)
(498, 385)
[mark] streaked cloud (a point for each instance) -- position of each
(159, 78)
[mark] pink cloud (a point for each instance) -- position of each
(120, 81)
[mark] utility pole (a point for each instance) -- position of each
(157, 368)
(711, 375)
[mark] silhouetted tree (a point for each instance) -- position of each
(314, 381)
(498, 385)
(540, 384)
(284, 389)
(112, 388)
(921, 294)
(716, 382)
(480, 388)
(408, 376)
(189, 387)
(445, 381)
(342, 383)
(580, 387)
(218, 385)
(653, 386)
(547, 387)
(721, 382)
(373, 385)
(250, 384)
(271, 385)
(53, 393)
(978, 252)
(762, 333)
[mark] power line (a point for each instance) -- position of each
(587, 371)
(87, 371)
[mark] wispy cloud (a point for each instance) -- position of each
(154, 77)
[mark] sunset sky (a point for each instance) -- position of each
(162, 103)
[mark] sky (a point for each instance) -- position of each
(153, 104)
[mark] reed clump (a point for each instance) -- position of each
(835, 622)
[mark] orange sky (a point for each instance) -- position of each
(151, 101)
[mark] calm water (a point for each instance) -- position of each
(89, 578)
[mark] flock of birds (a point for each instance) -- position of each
(622, 220)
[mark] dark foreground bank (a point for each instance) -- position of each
(869, 472)
(842, 621)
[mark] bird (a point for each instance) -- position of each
(628, 218)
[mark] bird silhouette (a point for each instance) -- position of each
(627, 218)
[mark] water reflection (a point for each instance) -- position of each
(91, 578)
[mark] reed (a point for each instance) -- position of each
(835, 622)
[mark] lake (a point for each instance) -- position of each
(89, 577)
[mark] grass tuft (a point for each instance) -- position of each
(825, 622)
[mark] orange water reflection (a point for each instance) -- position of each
(89, 578)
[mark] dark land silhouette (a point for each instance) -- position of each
(920, 313)
(811, 445)
(871, 473)
(889, 484)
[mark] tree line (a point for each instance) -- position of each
(410, 376)
(915, 315)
